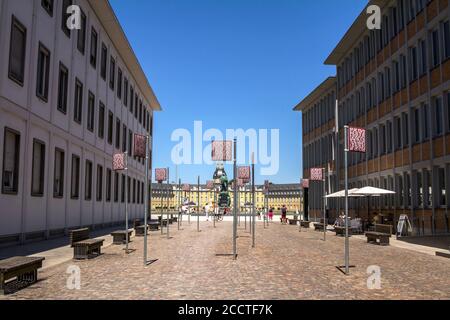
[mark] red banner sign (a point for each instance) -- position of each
(160, 175)
(140, 146)
(222, 151)
(356, 139)
(316, 174)
(244, 173)
(119, 162)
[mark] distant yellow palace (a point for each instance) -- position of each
(168, 196)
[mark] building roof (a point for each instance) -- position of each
(316, 93)
(353, 34)
(110, 23)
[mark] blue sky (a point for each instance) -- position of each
(234, 64)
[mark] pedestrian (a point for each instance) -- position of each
(283, 215)
(271, 214)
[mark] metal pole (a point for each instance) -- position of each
(189, 209)
(179, 203)
(126, 201)
(198, 204)
(245, 206)
(215, 206)
(162, 202)
(168, 198)
(347, 249)
(324, 207)
(253, 202)
(235, 201)
(147, 201)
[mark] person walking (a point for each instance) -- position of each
(283, 215)
(271, 214)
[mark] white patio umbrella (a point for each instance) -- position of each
(341, 194)
(373, 192)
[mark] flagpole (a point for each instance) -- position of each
(147, 199)
(346, 149)
(126, 201)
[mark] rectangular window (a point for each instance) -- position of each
(439, 116)
(103, 63)
(435, 48)
(136, 103)
(417, 125)
(78, 102)
(63, 84)
(428, 188)
(140, 112)
(81, 40)
(43, 71)
(129, 190)
(65, 16)
(134, 190)
(112, 73)
(419, 190)
(11, 151)
(122, 196)
(442, 188)
(88, 181)
(446, 32)
(101, 120)
(124, 138)
(48, 6)
(405, 129)
(130, 142)
(108, 184)
(110, 127)
(17, 51)
(389, 137)
(398, 133)
(58, 175)
(413, 63)
(425, 118)
(99, 190)
(91, 112)
(116, 187)
(125, 92)
(423, 57)
(38, 169)
(75, 178)
(131, 99)
(94, 47)
(117, 133)
(119, 84)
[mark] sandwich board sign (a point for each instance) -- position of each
(403, 222)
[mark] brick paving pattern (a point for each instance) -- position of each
(285, 264)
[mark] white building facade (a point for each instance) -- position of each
(69, 100)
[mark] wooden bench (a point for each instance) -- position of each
(136, 223)
(293, 222)
(340, 231)
(380, 235)
(120, 236)
(153, 225)
(140, 231)
(83, 247)
(318, 226)
(305, 224)
(22, 268)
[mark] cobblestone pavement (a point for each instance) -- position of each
(285, 264)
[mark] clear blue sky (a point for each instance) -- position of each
(234, 64)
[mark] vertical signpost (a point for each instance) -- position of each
(179, 203)
(161, 176)
(226, 151)
(198, 204)
(168, 201)
(318, 174)
(120, 164)
(305, 185)
(142, 150)
(355, 141)
(253, 202)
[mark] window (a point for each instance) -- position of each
(88, 181)
(442, 189)
(17, 51)
(78, 102)
(428, 188)
(63, 83)
(110, 127)
(134, 190)
(130, 141)
(405, 129)
(108, 184)
(101, 120)
(116, 187)
(38, 169)
(124, 138)
(75, 178)
(99, 190)
(423, 57)
(117, 133)
(448, 110)
(446, 27)
(104, 57)
(425, 126)
(435, 48)
(389, 137)
(413, 63)
(131, 99)
(125, 92)
(140, 112)
(417, 125)
(129, 190)
(91, 112)
(58, 176)
(112, 73)
(122, 196)
(119, 84)
(81, 40)
(403, 71)
(94, 46)
(439, 116)
(11, 151)
(398, 133)
(65, 16)
(48, 6)
(43, 68)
